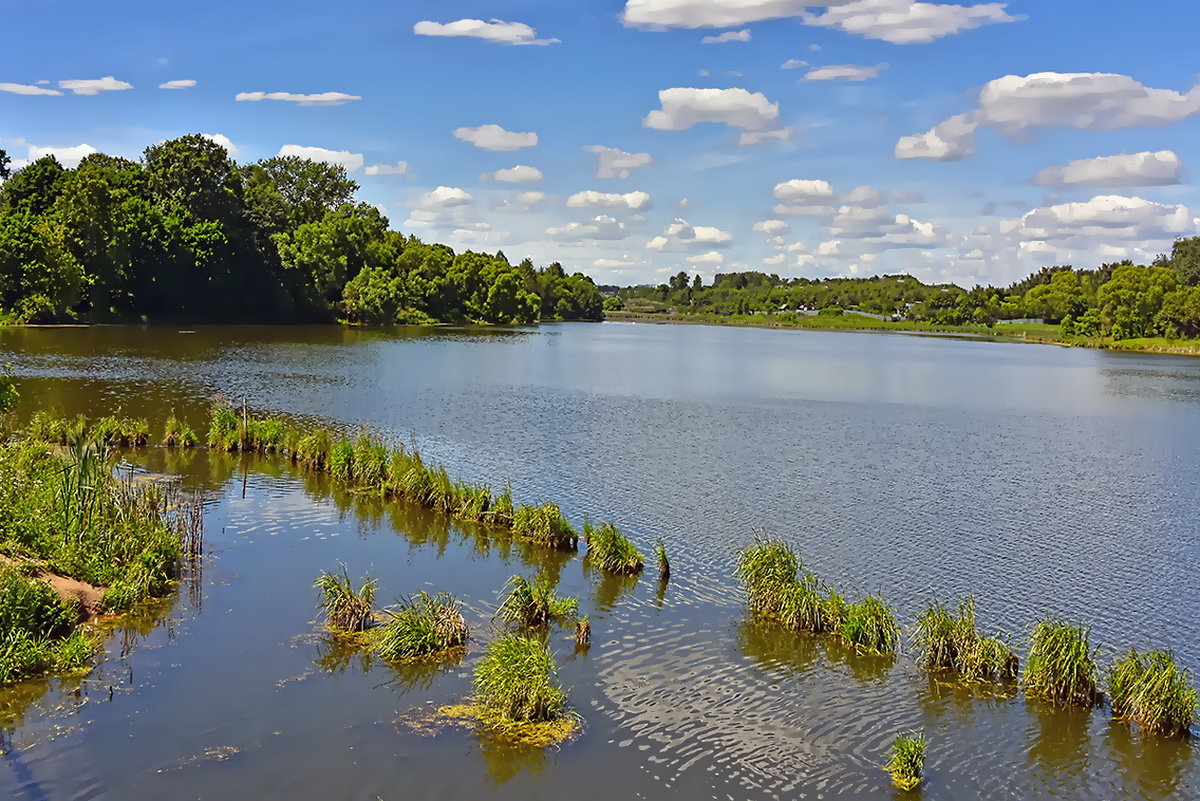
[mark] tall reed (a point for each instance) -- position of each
(517, 679)
(1150, 689)
(345, 609)
(535, 603)
(1061, 666)
(610, 550)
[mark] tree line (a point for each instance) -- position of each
(1120, 300)
(186, 233)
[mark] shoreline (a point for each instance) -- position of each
(963, 332)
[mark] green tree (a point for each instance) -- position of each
(1131, 300)
(285, 192)
(34, 187)
(1185, 260)
(5, 171)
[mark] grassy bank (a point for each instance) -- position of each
(1039, 333)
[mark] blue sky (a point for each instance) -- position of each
(966, 143)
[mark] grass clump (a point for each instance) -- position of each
(224, 427)
(517, 679)
(664, 564)
(871, 626)
(345, 610)
(178, 434)
(906, 760)
(1151, 690)
(544, 525)
(951, 641)
(37, 629)
(766, 568)
(802, 607)
(534, 603)
(610, 550)
(420, 626)
(1061, 665)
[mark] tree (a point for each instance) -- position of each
(34, 187)
(1130, 301)
(5, 172)
(194, 174)
(1185, 260)
(286, 192)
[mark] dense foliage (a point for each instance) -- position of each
(1118, 301)
(186, 233)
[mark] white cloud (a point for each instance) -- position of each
(772, 227)
(320, 99)
(710, 259)
(729, 36)
(480, 236)
(1104, 217)
(591, 199)
(94, 86)
(682, 108)
(663, 14)
(804, 191)
(776, 260)
(493, 137)
(1087, 101)
(509, 33)
(602, 227)
(519, 174)
(520, 203)
(681, 237)
(26, 89)
(844, 72)
(399, 168)
(865, 196)
(751, 138)
(69, 157)
(223, 141)
(792, 64)
(444, 207)
(181, 84)
(613, 162)
(1137, 169)
(905, 22)
(351, 161)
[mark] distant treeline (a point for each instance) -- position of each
(1120, 301)
(188, 234)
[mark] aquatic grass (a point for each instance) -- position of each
(517, 678)
(1061, 666)
(223, 425)
(265, 435)
(801, 606)
(951, 641)
(833, 609)
(664, 564)
(341, 460)
(345, 610)
(610, 550)
(35, 628)
(906, 760)
(420, 626)
(544, 525)
(370, 463)
(535, 603)
(870, 625)
(500, 512)
(766, 568)
(583, 631)
(471, 502)
(178, 434)
(1150, 689)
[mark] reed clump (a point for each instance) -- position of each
(871, 626)
(950, 640)
(906, 760)
(517, 679)
(178, 434)
(544, 525)
(535, 603)
(420, 626)
(664, 564)
(766, 568)
(610, 550)
(346, 610)
(1150, 689)
(1061, 666)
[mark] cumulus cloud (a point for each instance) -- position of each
(751, 138)
(69, 157)
(729, 36)
(844, 72)
(793, 64)
(223, 141)
(444, 207)
(319, 99)
(494, 137)
(904, 22)
(181, 84)
(351, 161)
(803, 196)
(1105, 217)
(663, 14)
(591, 199)
(399, 168)
(509, 33)
(612, 264)
(712, 258)
(682, 237)
(94, 86)
(1137, 169)
(1086, 101)
(26, 89)
(613, 162)
(520, 203)
(684, 107)
(601, 227)
(772, 227)
(519, 174)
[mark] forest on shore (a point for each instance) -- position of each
(187, 234)
(1115, 302)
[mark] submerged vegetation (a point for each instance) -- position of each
(1061, 666)
(1149, 689)
(906, 760)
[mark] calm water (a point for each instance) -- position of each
(1044, 480)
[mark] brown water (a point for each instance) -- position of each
(1044, 480)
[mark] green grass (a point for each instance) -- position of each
(224, 426)
(906, 760)
(535, 603)
(766, 568)
(610, 550)
(664, 564)
(345, 609)
(1151, 690)
(947, 640)
(544, 525)
(870, 625)
(178, 434)
(517, 678)
(37, 629)
(802, 606)
(1061, 666)
(420, 626)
